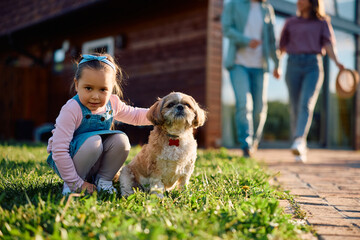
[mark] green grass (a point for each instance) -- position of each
(228, 198)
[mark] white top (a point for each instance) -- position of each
(247, 56)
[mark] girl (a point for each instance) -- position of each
(84, 152)
(304, 38)
(249, 26)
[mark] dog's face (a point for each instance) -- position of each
(176, 112)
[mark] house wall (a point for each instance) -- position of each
(164, 48)
(166, 53)
(23, 101)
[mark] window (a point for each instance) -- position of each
(346, 9)
(100, 45)
(340, 111)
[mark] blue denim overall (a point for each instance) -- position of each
(91, 124)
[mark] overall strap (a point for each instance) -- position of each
(108, 106)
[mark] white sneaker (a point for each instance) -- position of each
(255, 146)
(66, 190)
(299, 147)
(105, 185)
(301, 158)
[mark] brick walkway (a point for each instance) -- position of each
(327, 187)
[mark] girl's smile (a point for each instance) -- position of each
(94, 88)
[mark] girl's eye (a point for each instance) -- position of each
(88, 88)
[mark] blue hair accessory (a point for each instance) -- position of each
(88, 58)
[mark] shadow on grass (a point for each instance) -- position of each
(14, 143)
(28, 165)
(13, 195)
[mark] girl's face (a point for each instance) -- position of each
(303, 6)
(94, 88)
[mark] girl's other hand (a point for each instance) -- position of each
(88, 188)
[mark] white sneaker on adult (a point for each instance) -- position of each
(255, 146)
(301, 158)
(105, 185)
(66, 190)
(299, 148)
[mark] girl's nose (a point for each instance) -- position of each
(95, 95)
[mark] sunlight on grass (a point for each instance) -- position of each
(228, 197)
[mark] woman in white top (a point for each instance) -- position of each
(249, 26)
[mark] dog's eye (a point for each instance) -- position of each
(170, 105)
(188, 105)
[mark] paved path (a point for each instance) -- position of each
(327, 187)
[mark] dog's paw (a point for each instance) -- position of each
(158, 193)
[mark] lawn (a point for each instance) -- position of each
(228, 197)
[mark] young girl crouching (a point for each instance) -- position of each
(84, 152)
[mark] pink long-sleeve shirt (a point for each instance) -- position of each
(69, 120)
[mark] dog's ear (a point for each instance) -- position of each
(154, 114)
(200, 116)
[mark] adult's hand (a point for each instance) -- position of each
(254, 43)
(277, 73)
(340, 66)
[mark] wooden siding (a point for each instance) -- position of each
(166, 54)
(23, 101)
(160, 58)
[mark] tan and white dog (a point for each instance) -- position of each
(168, 159)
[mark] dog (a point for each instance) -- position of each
(168, 159)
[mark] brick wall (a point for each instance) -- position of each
(213, 73)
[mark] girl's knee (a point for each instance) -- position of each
(121, 141)
(93, 145)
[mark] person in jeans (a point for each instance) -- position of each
(249, 26)
(304, 38)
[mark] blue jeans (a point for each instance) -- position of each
(250, 88)
(304, 78)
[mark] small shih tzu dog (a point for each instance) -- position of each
(168, 159)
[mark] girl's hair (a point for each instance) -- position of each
(99, 65)
(317, 10)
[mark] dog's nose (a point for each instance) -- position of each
(180, 107)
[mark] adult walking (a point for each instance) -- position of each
(305, 38)
(249, 26)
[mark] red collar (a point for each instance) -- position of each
(174, 142)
